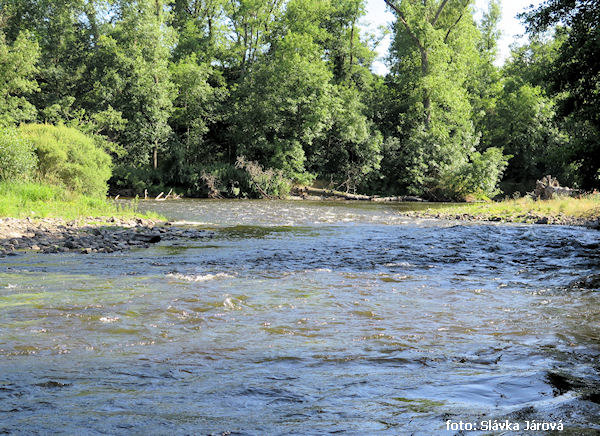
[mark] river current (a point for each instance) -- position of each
(305, 318)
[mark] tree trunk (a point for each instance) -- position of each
(426, 97)
(155, 155)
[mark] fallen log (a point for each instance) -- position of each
(548, 188)
(311, 193)
(307, 190)
(405, 198)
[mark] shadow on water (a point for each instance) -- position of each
(257, 232)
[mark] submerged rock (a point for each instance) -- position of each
(589, 282)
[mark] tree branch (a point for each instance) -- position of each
(439, 12)
(403, 20)
(453, 26)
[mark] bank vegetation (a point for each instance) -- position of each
(247, 98)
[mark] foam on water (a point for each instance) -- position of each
(198, 277)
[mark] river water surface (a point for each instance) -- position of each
(304, 318)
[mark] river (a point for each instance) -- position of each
(304, 318)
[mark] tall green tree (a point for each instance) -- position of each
(202, 29)
(434, 45)
(283, 106)
(251, 23)
(65, 31)
(131, 71)
(18, 66)
(574, 77)
(484, 81)
(523, 120)
(196, 110)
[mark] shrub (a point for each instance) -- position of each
(265, 184)
(477, 178)
(69, 158)
(17, 160)
(223, 180)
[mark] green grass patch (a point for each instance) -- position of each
(35, 200)
(524, 209)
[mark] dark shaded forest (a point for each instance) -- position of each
(238, 98)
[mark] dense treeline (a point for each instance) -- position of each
(244, 97)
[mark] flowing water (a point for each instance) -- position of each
(304, 318)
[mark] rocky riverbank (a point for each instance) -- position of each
(91, 235)
(526, 218)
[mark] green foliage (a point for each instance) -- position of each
(175, 91)
(350, 149)
(132, 76)
(478, 178)
(283, 106)
(523, 124)
(435, 46)
(17, 160)
(269, 183)
(27, 199)
(196, 109)
(524, 120)
(574, 77)
(69, 158)
(17, 71)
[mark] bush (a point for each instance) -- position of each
(265, 184)
(69, 158)
(477, 178)
(17, 160)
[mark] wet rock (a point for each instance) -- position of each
(57, 236)
(589, 282)
(52, 384)
(594, 397)
(149, 238)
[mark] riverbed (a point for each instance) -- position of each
(304, 318)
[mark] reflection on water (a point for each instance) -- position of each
(304, 318)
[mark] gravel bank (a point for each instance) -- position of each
(530, 218)
(92, 235)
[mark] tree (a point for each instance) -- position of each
(131, 71)
(17, 79)
(202, 29)
(427, 27)
(350, 149)
(484, 81)
(574, 76)
(283, 106)
(196, 109)
(434, 47)
(251, 24)
(523, 119)
(65, 32)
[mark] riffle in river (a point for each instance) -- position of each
(306, 318)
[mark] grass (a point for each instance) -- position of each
(36, 200)
(525, 209)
